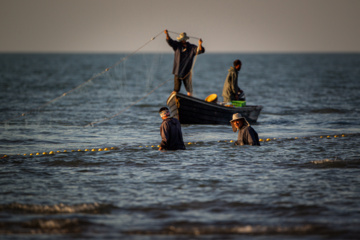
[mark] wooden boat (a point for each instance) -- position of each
(191, 110)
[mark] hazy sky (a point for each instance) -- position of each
(224, 25)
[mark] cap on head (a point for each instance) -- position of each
(164, 112)
(182, 37)
(235, 117)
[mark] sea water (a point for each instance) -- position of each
(98, 173)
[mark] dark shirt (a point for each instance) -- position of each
(231, 88)
(171, 135)
(184, 57)
(247, 136)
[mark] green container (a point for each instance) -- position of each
(238, 103)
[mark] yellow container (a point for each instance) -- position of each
(211, 98)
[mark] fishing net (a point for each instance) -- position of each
(88, 89)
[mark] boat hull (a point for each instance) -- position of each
(190, 110)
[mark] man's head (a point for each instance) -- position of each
(237, 64)
(237, 121)
(164, 112)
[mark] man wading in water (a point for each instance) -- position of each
(247, 135)
(183, 60)
(170, 132)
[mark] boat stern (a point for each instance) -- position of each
(173, 105)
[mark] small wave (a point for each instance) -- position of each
(336, 163)
(326, 161)
(76, 162)
(44, 226)
(225, 230)
(90, 208)
(328, 110)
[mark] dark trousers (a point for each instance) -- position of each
(187, 83)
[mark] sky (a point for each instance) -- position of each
(113, 26)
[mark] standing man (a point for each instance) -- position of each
(183, 60)
(170, 132)
(231, 90)
(247, 135)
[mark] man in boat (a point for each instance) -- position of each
(231, 90)
(247, 135)
(170, 132)
(183, 60)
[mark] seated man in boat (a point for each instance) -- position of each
(231, 90)
(183, 60)
(170, 132)
(247, 135)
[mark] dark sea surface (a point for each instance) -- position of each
(79, 136)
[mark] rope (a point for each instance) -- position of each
(117, 114)
(98, 75)
(263, 140)
(84, 83)
(186, 35)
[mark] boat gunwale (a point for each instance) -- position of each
(190, 98)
